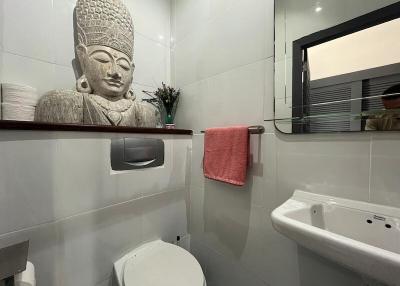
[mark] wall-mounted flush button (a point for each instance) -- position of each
(136, 153)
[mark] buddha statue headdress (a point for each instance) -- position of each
(106, 23)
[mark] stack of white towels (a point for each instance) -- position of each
(18, 102)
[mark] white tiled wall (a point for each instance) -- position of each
(222, 52)
(37, 41)
(57, 190)
(231, 231)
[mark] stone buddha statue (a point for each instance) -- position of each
(104, 50)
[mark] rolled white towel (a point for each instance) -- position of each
(17, 112)
(19, 94)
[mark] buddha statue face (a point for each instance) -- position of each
(108, 71)
(105, 37)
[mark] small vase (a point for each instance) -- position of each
(169, 122)
(169, 119)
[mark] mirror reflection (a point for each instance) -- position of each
(340, 73)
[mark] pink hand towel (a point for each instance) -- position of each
(226, 152)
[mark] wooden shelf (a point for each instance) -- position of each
(28, 125)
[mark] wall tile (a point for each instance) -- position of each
(267, 252)
(164, 216)
(107, 282)
(201, 253)
(226, 217)
(235, 222)
(219, 7)
(197, 174)
(384, 170)
(264, 170)
(223, 271)
(98, 239)
(75, 176)
(26, 197)
(188, 16)
(39, 74)
(234, 97)
(64, 78)
(280, 32)
(316, 270)
(241, 36)
(43, 251)
(196, 218)
(82, 179)
(64, 31)
(182, 158)
(95, 185)
(269, 95)
(345, 161)
(27, 71)
(1, 30)
(81, 250)
(151, 18)
(192, 104)
(152, 62)
(27, 18)
(138, 90)
(283, 98)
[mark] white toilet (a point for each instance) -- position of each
(158, 263)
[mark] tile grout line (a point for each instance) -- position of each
(370, 168)
(227, 71)
(60, 65)
(206, 21)
(33, 58)
(141, 197)
(153, 40)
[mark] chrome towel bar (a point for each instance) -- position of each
(253, 130)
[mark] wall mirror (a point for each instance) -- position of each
(337, 66)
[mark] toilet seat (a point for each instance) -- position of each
(162, 264)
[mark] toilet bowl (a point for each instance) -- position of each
(158, 263)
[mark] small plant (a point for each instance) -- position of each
(165, 99)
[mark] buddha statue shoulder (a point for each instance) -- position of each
(103, 94)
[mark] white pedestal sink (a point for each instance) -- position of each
(362, 236)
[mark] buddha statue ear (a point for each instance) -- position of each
(82, 84)
(130, 95)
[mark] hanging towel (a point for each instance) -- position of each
(226, 153)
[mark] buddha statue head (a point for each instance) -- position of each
(105, 48)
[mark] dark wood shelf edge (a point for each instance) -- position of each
(28, 125)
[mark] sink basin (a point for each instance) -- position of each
(361, 236)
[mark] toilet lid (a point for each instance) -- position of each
(163, 264)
